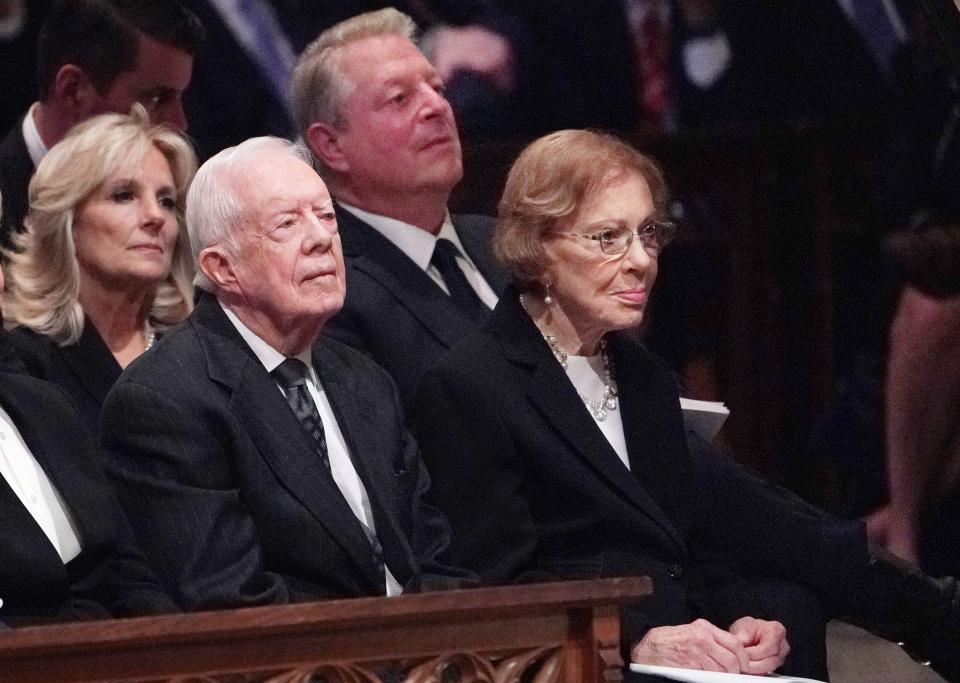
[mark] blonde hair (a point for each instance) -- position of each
(317, 87)
(548, 185)
(44, 274)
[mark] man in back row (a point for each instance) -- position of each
(372, 110)
(96, 56)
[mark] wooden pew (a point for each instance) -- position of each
(565, 631)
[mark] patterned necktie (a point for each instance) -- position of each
(444, 259)
(291, 374)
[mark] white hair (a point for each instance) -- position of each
(214, 206)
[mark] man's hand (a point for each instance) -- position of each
(476, 49)
(765, 643)
(699, 645)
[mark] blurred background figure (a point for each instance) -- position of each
(921, 520)
(95, 56)
(104, 264)
(19, 28)
(474, 44)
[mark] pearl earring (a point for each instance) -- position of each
(547, 299)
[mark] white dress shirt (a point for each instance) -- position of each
(31, 136)
(418, 245)
(341, 467)
(28, 480)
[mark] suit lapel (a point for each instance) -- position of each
(548, 387)
(372, 253)
(267, 419)
(476, 242)
(22, 405)
(92, 363)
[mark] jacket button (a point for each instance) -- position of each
(675, 571)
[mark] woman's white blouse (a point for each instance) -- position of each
(587, 375)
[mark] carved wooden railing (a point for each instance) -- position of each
(541, 633)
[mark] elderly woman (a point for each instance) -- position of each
(556, 446)
(105, 261)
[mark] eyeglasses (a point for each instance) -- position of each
(654, 236)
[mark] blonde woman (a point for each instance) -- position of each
(104, 264)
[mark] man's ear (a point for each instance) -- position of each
(324, 141)
(73, 88)
(216, 266)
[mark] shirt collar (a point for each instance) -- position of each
(268, 356)
(31, 136)
(416, 243)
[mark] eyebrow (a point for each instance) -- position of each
(620, 221)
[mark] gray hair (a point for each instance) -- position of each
(318, 88)
(214, 207)
(44, 273)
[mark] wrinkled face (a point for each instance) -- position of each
(126, 229)
(400, 134)
(288, 263)
(157, 81)
(600, 293)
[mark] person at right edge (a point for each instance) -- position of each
(557, 449)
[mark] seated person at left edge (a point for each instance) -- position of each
(67, 552)
(259, 462)
(104, 264)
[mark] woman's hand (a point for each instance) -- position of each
(765, 643)
(699, 645)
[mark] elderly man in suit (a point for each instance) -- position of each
(258, 464)
(95, 56)
(372, 110)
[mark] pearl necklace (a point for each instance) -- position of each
(607, 402)
(149, 335)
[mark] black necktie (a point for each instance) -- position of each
(444, 259)
(292, 376)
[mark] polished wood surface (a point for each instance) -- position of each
(565, 631)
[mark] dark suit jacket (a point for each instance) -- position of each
(85, 370)
(394, 311)
(224, 489)
(16, 169)
(109, 576)
(532, 488)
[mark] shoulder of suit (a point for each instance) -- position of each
(32, 347)
(13, 146)
(176, 352)
(55, 401)
(351, 358)
(479, 352)
(473, 222)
